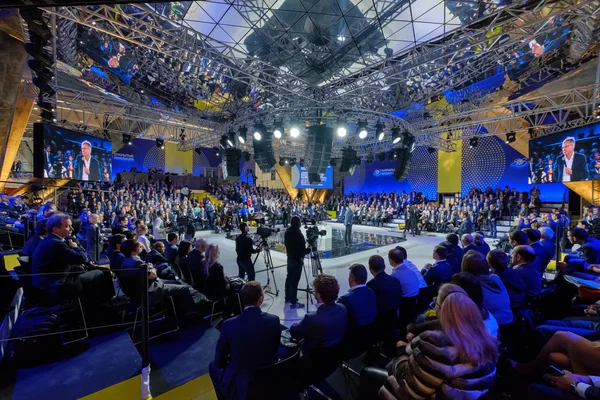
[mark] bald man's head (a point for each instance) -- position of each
(201, 244)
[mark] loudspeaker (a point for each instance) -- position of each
(318, 149)
(198, 150)
(349, 161)
(263, 152)
(230, 164)
(403, 159)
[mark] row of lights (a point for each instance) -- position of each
(362, 131)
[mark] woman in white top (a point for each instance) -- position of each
(144, 242)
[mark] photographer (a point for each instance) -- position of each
(295, 246)
(244, 249)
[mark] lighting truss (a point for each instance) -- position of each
(517, 25)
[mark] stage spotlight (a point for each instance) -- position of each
(341, 129)
(216, 150)
(379, 132)
(231, 138)
(361, 128)
(473, 142)
(431, 150)
(160, 143)
(126, 138)
(278, 130)
(294, 129)
(396, 138)
(259, 131)
(223, 142)
(242, 135)
(511, 137)
(410, 142)
(381, 157)
(282, 162)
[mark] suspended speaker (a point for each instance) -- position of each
(349, 161)
(263, 152)
(230, 164)
(403, 159)
(318, 149)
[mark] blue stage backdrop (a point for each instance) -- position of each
(379, 176)
(495, 163)
(141, 154)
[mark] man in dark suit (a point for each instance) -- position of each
(195, 263)
(87, 168)
(455, 252)
(248, 342)
(360, 301)
(388, 289)
(58, 269)
(570, 166)
(441, 271)
(533, 239)
(348, 221)
(327, 326)
(171, 248)
(467, 242)
(466, 225)
(523, 260)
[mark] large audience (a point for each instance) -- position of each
(459, 327)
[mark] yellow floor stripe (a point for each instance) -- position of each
(197, 389)
(126, 390)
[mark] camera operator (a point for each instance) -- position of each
(244, 249)
(296, 249)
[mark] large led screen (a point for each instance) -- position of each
(300, 178)
(65, 154)
(569, 156)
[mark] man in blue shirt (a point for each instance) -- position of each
(408, 279)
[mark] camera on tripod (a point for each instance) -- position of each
(312, 235)
(265, 232)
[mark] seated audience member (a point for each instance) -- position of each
(327, 326)
(455, 252)
(586, 326)
(186, 298)
(495, 296)
(142, 230)
(567, 387)
(58, 265)
(472, 286)
(360, 301)
(467, 242)
(247, 343)
(408, 279)
(172, 249)
(32, 243)
(156, 254)
(589, 247)
(195, 263)
(512, 280)
(440, 272)
(91, 241)
(533, 239)
(565, 350)
(480, 243)
(408, 264)
(523, 260)
(388, 290)
(462, 346)
(547, 240)
(217, 284)
(185, 247)
(115, 257)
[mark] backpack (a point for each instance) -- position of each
(36, 337)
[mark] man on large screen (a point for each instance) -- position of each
(570, 166)
(87, 167)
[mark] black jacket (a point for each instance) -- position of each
(244, 247)
(54, 255)
(295, 244)
(246, 344)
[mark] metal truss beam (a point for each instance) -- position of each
(544, 114)
(474, 46)
(64, 3)
(147, 29)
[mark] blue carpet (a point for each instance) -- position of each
(109, 360)
(183, 358)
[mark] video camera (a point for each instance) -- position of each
(265, 232)
(313, 233)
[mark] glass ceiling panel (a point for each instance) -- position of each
(319, 40)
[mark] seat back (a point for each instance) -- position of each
(278, 381)
(322, 362)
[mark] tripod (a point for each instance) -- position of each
(316, 269)
(268, 267)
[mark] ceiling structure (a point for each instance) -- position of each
(428, 67)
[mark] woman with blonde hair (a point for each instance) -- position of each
(458, 361)
(142, 230)
(216, 283)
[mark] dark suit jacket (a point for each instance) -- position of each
(515, 286)
(195, 264)
(54, 255)
(388, 291)
(469, 247)
(94, 169)
(455, 256)
(483, 248)
(542, 256)
(466, 226)
(440, 272)
(590, 250)
(247, 343)
(533, 281)
(361, 304)
(325, 327)
(579, 167)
